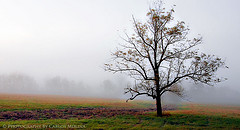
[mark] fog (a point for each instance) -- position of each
(213, 95)
(19, 83)
(59, 46)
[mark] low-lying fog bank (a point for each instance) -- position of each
(24, 84)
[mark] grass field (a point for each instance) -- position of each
(45, 111)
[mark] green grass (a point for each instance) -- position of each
(150, 121)
(11, 105)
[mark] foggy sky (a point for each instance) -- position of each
(74, 38)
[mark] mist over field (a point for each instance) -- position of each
(24, 84)
(59, 47)
(17, 83)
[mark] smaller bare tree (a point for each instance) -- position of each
(159, 56)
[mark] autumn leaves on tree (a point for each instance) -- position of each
(159, 55)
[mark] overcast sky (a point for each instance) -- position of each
(73, 38)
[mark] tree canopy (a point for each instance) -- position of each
(159, 55)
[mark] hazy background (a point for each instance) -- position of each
(60, 46)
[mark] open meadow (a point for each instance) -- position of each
(47, 111)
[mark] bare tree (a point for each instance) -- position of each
(159, 55)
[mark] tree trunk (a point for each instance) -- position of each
(159, 107)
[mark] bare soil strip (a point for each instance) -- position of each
(80, 113)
